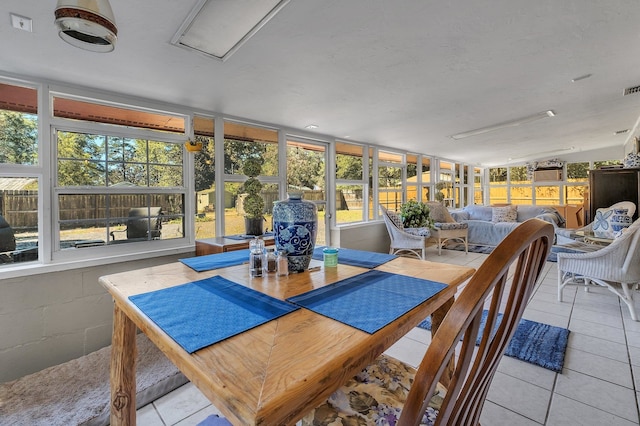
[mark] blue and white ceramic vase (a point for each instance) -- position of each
(295, 224)
(620, 220)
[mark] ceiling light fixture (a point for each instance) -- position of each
(219, 28)
(505, 124)
(87, 24)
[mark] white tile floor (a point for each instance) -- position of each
(600, 382)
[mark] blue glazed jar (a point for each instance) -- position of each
(295, 224)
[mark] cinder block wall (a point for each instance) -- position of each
(51, 318)
(371, 236)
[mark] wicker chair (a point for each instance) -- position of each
(615, 267)
(403, 242)
(568, 235)
(395, 389)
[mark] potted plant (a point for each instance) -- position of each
(253, 204)
(415, 214)
(441, 186)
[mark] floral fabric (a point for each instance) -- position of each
(504, 214)
(374, 397)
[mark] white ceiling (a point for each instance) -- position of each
(406, 74)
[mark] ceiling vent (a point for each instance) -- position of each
(631, 90)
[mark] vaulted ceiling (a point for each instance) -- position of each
(408, 74)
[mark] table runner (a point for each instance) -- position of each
(369, 301)
(201, 313)
(362, 258)
(218, 260)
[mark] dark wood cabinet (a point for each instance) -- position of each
(609, 186)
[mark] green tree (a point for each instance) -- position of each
(18, 138)
(80, 159)
(204, 164)
(348, 167)
(305, 168)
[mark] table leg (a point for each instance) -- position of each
(123, 370)
(436, 320)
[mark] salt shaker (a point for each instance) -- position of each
(283, 264)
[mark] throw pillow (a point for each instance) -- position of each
(395, 218)
(601, 223)
(439, 213)
(504, 214)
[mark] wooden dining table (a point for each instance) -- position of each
(275, 373)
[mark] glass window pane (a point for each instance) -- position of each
(547, 195)
(204, 167)
(521, 195)
(497, 175)
(519, 175)
(575, 194)
(578, 172)
(242, 141)
(18, 125)
(91, 220)
(349, 203)
(349, 161)
(18, 219)
(389, 157)
(390, 187)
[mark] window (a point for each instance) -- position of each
(390, 170)
(350, 184)
(20, 174)
(205, 178)
(243, 141)
(119, 176)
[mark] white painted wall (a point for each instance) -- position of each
(371, 236)
(51, 318)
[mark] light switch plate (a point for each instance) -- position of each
(21, 22)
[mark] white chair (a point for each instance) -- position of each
(615, 267)
(569, 235)
(403, 242)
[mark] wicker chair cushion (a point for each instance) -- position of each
(421, 232)
(375, 396)
(448, 226)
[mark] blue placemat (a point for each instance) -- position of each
(201, 313)
(218, 260)
(362, 258)
(369, 301)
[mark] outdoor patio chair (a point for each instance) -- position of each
(615, 267)
(389, 388)
(401, 240)
(7, 241)
(143, 223)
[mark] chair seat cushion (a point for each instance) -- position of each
(451, 225)
(375, 396)
(421, 232)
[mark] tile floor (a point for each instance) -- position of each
(600, 382)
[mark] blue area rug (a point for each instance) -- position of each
(533, 342)
(475, 248)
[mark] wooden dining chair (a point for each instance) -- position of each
(390, 390)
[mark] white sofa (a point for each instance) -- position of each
(489, 225)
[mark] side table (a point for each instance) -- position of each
(223, 244)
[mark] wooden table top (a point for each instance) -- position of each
(275, 373)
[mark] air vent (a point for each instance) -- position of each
(631, 90)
